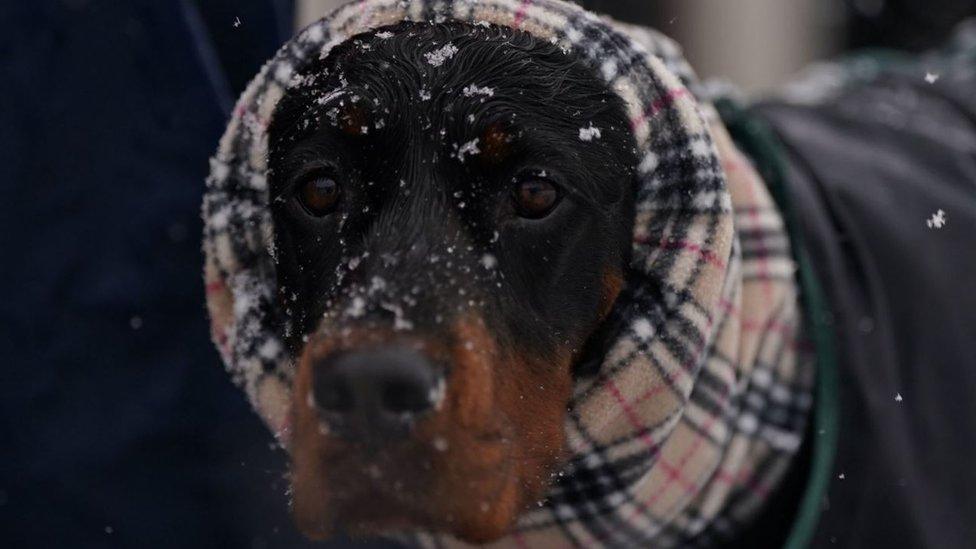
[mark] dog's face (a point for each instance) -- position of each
(447, 242)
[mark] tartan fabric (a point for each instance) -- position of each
(701, 400)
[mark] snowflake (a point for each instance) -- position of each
(643, 329)
(471, 147)
(590, 133)
(473, 90)
(384, 35)
(937, 221)
(441, 444)
(357, 308)
(439, 56)
(898, 397)
(931, 77)
(237, 22)
(489, 261)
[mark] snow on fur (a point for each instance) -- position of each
(645, 402)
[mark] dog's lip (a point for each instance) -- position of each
(390, 489)
(378, 505)
(377, 469)
(497, 436)
(360, 479)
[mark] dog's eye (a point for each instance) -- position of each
(319, 195)
(535, 197)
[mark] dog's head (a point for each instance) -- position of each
(453, 210)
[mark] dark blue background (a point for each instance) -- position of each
(115, 412)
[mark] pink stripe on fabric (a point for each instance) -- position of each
(520, 13)
(634, 420)
(674, 475)
(707, 255)
(219, 336)
(681, 462)
(744, 480)
(752, 325)
(632, 417)
(628, 407)
(653, 447)
(215, 286)
(684, 459)
(654, 391)
(658, 105)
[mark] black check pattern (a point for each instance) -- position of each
(702, 397)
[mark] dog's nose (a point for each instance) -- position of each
(371, 395)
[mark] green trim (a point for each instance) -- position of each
(759, 142)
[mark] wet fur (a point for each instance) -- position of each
(507, 337)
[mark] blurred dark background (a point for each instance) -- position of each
(118, 426)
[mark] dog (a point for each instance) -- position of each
(488, 239)
(499, 270)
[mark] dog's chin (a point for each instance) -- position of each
(389, 495)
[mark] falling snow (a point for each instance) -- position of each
(384, 35)
(931, 77)
(937, 221)
(358, 307)
(439, 56)
(437, 393)
(590, 133)
(441, 444)
(237, 22)
(489, 261)
(898, 397)
(377, 284)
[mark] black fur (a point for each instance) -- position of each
(428, 221)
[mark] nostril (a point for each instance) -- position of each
(405, 397)
(334, 395)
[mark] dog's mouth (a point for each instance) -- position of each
(459, 463)
(432, 483)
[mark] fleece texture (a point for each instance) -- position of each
(702, 399)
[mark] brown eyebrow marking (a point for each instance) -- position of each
(497, 143)
(353, 119)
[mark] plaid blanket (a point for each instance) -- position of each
(702, 398)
